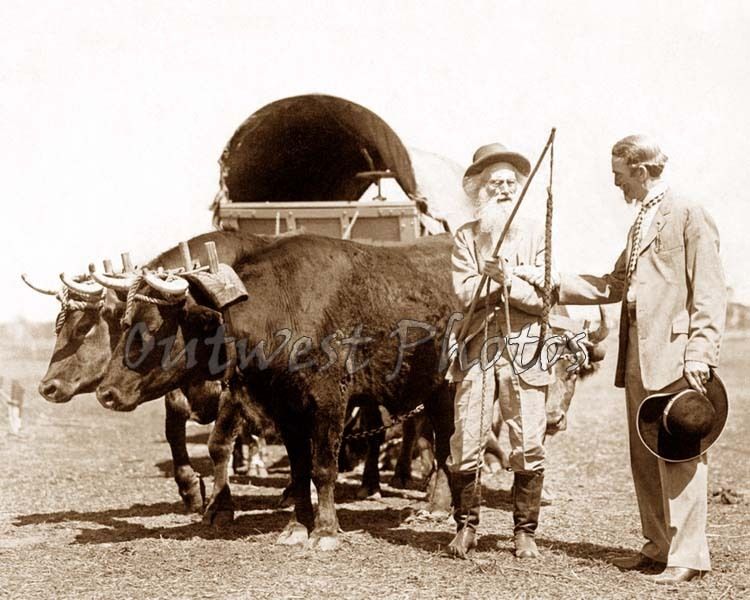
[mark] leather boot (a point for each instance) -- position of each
(527, 497)
(465, 512)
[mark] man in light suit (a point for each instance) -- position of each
(493, 182)
(671, 283)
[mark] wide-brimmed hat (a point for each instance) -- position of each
(681, 425)
(497, 153)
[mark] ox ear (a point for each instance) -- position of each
(199, 318)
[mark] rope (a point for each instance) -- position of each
(78, 301)
(133, 297)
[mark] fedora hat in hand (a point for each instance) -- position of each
(681, 425)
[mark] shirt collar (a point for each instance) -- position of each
(660, 187)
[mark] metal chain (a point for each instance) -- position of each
(394, 421)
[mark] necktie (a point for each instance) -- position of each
(636, 245)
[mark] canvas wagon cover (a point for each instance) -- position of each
(310, 148)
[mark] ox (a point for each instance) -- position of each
(341, 302)
(88, 326)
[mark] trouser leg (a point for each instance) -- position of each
(472, 421)
(643, 464)
(522, 407)
(526, 418)
(685, 506)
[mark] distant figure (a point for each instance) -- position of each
(15, 405)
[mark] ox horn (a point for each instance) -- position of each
(86, 288)
(25, 278)
(119, 284)
(169, 287)
(601, 332)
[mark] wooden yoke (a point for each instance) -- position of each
(229, 345)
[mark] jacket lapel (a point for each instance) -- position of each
(658, 223)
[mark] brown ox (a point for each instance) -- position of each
(89, 326)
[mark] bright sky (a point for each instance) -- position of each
(114, 114)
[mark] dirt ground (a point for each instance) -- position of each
(88, 509)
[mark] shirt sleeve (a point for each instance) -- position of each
(592, 289)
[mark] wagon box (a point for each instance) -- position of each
(362, 221)
(307, 162)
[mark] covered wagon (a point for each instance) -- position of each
(322, 163)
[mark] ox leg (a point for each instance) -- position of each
(500, 460)
(220, 509)
(328, 425)
(371, 419)
(402, 470)
(241, 454)
(298, 449)
(440, 413)
(257, 446)
(426, 454)
(189, 484)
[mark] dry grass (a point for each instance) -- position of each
(88, 509)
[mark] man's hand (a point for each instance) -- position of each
(493, 270)
(697, 374)
(535, 275)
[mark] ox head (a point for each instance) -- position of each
(580, 358)
(163, 342)
(82, 330)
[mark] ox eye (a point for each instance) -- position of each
(83, 328)
(139, 343)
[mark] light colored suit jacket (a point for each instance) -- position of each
(681, 294)
(524, 245)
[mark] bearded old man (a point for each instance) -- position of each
(493, 181)
(671, 284)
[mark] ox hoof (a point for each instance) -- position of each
(325, 543)
(194, 496)
(294, 534)
(218, 518)
(287, 498)
(400, 482)
(364, 494)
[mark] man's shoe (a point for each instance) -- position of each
(675, 575)
(465, 494)
(464, 541)
(525, 545)
(638, 562)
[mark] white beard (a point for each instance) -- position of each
(493, 215)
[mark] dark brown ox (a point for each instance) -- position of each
(311, 299)
(337, 304)
(89, 327)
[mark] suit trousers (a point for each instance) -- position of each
(672, 497)
(526, 418)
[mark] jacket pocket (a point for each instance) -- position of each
(681, 323)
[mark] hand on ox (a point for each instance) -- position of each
(697, 374)
(535, 275)
(494, 271)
